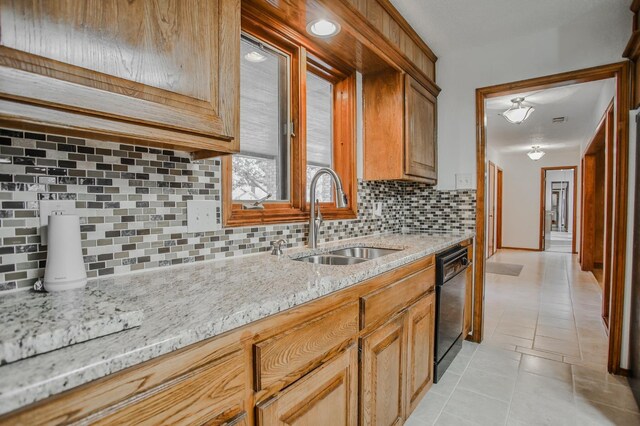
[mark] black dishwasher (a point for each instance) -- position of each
(451, 266)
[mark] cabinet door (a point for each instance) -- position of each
(164, 73)
(326, 396)
(420, 134)
(420, 334)
(213, 394)
(383, 365)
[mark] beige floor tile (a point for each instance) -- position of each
(447, 419)
(516, 331)
(488, 384)
(597, 375)
(542, 400)
(477, 408)
(446, 384)
(427, 412)
(615, 395)
(508, 342)
(557, 333)
(540, 354)
(590, 413)
(557, 322)
(545, 367)
(459, 364)
(556, 346)
(495, 362)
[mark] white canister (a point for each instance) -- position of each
(65, 264)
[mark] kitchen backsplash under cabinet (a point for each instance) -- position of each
(132, 204)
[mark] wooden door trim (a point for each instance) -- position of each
(492, 206)
(621, 72)
(543, 190)
(499, 184)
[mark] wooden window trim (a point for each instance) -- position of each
(344, 140)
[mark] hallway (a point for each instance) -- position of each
(543, 360)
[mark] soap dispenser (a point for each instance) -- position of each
(65, 263)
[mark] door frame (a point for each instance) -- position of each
(499, 183)
(543, 193)
(491, 225)
(621, 73)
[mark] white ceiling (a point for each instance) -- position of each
(576, 102)
(448, 25)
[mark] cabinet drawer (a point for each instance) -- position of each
(378, 306)
(213, 394)
(288, 356)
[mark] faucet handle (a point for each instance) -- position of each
(276, 247)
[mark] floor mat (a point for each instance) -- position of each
(504, 268)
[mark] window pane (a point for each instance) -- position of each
(319, 133)
(262, 167)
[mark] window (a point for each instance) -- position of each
(297, 115)
(319, 133)
(262, 167)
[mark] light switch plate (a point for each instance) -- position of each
(203, 215)
(463, 180)
(49, 206)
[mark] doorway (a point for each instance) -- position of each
(558, 198)
(620, 73)
(494, 209)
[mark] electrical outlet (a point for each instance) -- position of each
(202, 215)
(49, 206)
(377, 209)
(463, 180)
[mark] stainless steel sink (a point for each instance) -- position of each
(327, 259)
(347, 256)
(364, 252)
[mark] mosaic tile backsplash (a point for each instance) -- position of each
(132, 204)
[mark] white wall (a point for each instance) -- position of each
(521, 195)
(591, 39)
(561, 176)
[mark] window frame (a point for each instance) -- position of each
(296, 209)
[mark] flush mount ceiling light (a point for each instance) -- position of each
(536, 153)
(323, 28)
(255, 56)
(517, 113)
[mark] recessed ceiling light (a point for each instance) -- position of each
(323, 28)
(255, 56)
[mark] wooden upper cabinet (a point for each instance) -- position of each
(326, 396)
(400, 122)
(420, 156)
(163, 73)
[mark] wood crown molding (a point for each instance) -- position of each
(422, 45)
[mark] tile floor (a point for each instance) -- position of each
(560, 242)
(543, 360)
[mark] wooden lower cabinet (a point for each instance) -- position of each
(382, 386)
(360, 355)
(397, 365)
(326, 396)
(420, 319)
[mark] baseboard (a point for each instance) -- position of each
(520, 248)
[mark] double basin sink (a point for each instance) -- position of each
(348, 256)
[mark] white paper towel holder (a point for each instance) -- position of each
(65, 268)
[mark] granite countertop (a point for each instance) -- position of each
(186, 304)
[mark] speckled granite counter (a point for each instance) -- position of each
(186, 304)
